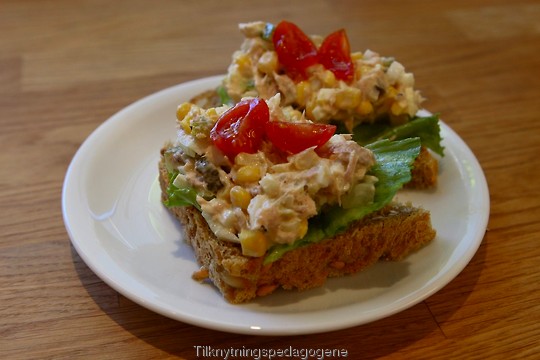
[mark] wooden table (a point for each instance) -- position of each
(66, 66)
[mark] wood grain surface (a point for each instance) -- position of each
(67, 66)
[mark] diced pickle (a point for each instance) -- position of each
(209, 174)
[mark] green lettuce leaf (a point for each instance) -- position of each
(393, 170)
(426, 128)
(180, 196)
(224, 97)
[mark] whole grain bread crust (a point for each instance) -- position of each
(389, 234)
(425, 171)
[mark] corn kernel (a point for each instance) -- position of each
(182, 114)
(355, 56)
(391, 92)
(248, 173)
(310, 106)
(243, 159)
(253, 242)
(268, 62)
(357, 73)
(365, 108)
(302, 228)
(183, 110)
(396, 108)
(212, 114)
(329, 79)
(185, 125)
(240, 197)
(244, 64)
(302, 92)
(348, 98)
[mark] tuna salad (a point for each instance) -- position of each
(262, 190)
(320, 76)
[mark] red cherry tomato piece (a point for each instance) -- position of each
(295, 137)
(241, 128)
(295, 50)
(335, 55)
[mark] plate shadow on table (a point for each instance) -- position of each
(368, 341)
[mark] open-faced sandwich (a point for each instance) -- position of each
(269, 199)
(363, 93)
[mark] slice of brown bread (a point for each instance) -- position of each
(389, 234)
(425, 171)
(425, 168)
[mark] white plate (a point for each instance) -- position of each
(112, 211)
